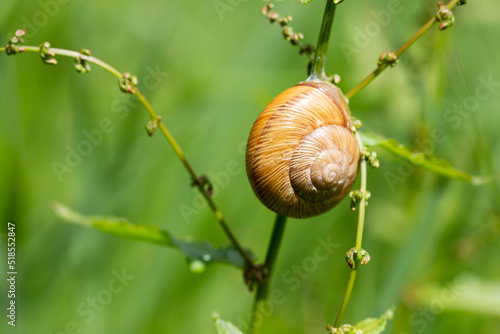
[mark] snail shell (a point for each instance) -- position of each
(302, 157)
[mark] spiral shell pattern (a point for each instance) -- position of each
(302, 158)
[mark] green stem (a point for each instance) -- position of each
(272, 255)
(359, 236)
(318, 73)
(318, 69)
(166, 133)
(194, 178)
(398, 53)
(362, 204)
(347, 296)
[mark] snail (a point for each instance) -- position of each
(302, 157)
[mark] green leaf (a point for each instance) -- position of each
(425, 161)
(199, 254)
(469, 293)
(375, 325)
(225, 327)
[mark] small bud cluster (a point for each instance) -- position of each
(445, 16)
(344, 329)
(204, 183)
(291, 36)
(288, 33)
(371, 157)
(355, 124)
(335, 79)
(47, 55)
(12, 46)
(127, 83)
(266, 9)
(81, 65)
(152, 125)
(388, 58)
(356, 197)
(357, 255)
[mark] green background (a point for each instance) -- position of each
(434, 242)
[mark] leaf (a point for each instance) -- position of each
(468, 293)
(375, 325)
(200, 254)
(425, 161)
(305, 2)
(225, 327)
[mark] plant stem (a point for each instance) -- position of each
(166, 133)
(347, 296)
(318, 69)
(318, 73)
(194, 178)
(359, 237)
(272, 255)
(362, 203)
(398, 53)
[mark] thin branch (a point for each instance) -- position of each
(347, 296)
(163, 129)
(318, 68)
(383, 65)
(271, 257)
(288, 33)
(362, 204)
(359, 237)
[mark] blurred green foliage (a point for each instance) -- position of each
(434, 242)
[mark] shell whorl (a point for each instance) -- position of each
(302, 157)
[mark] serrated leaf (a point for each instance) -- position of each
(225, 327)
(198, 253)
(375, 325)
(425, 161)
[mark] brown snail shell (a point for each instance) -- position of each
(302, 157)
